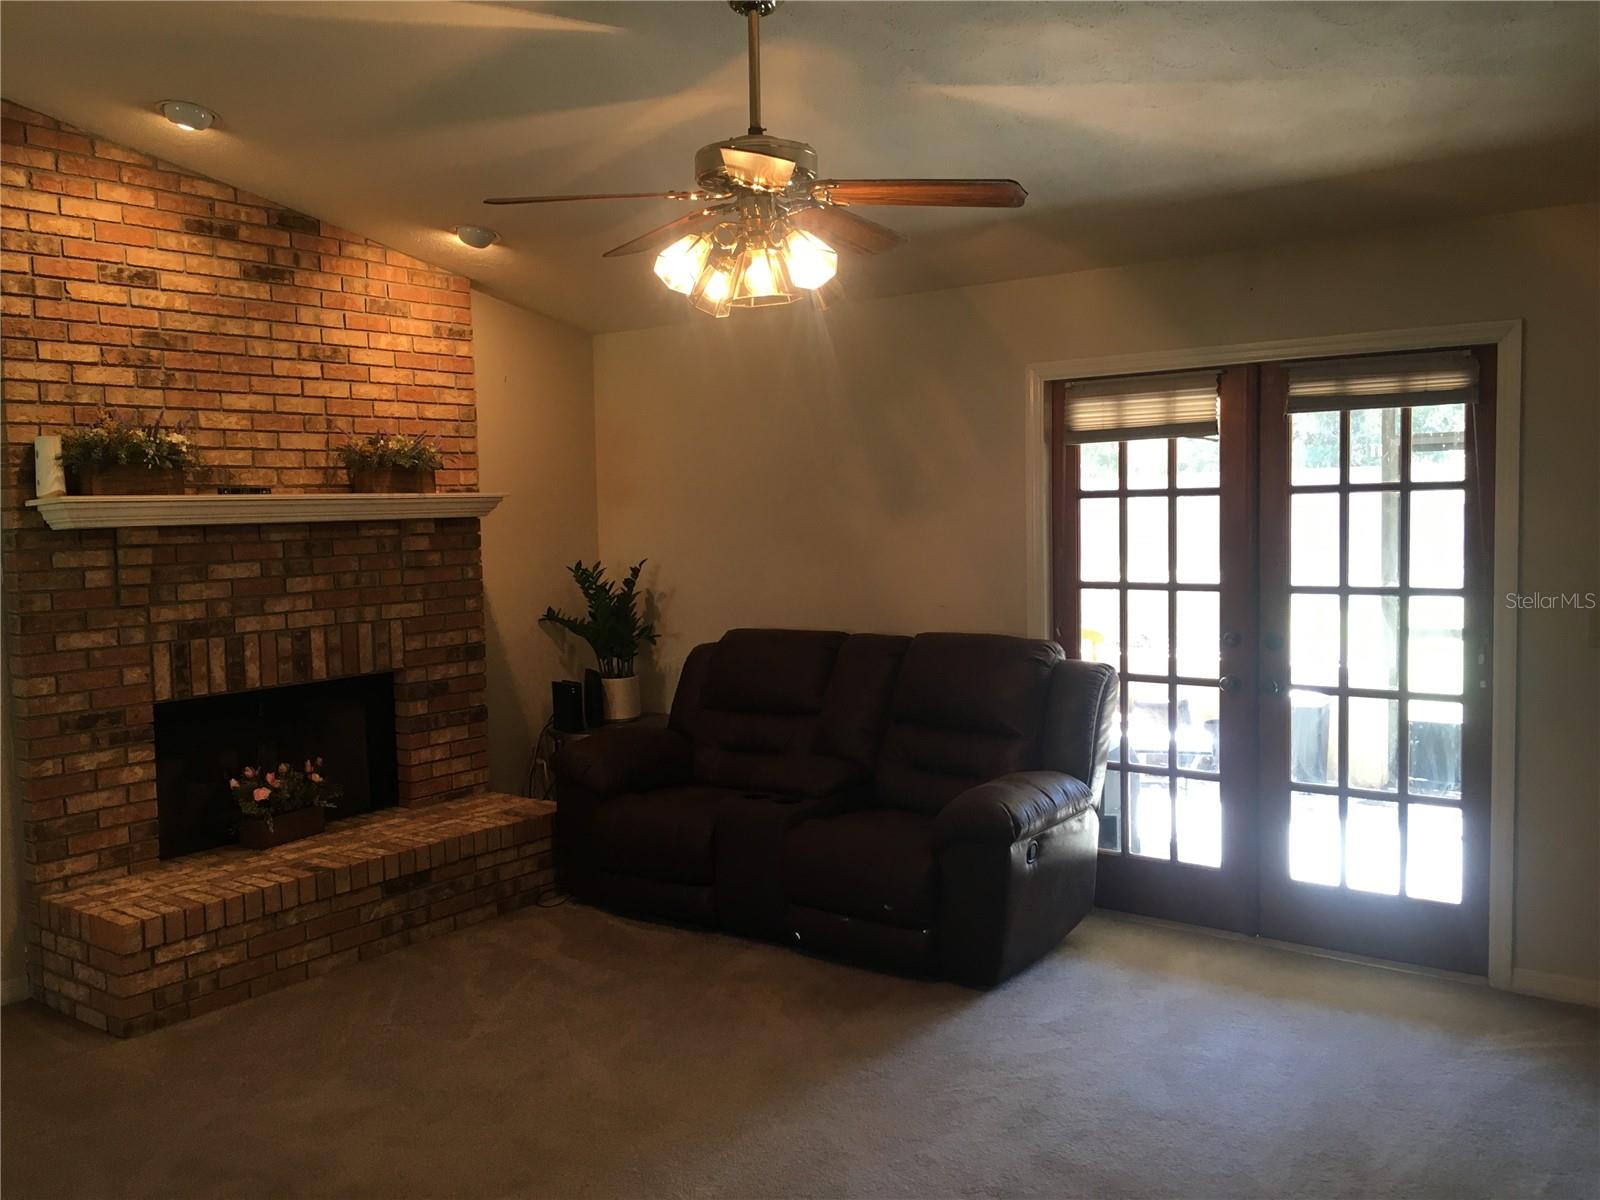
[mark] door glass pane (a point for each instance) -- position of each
(1149, 730)
(1439, 442)
(1198, 531)
(1111, 812)
(1434, 748)
(1100, 620)
(1147, 539)
(1372, 846)
(1314, 453)
(1437, 539)
(1199, 463)
(1199, 634)
(1314, 838)
(1374, 743)
(1097, 540)
(1374, 642)
(1314, 540)
(1097, 467)
(1434, 660)
(1433, 853)
(1150, 802)
(1199, 804)
(1374, 539)
(1147, 632)
(1314, 737)
(1375, 445)
(1199, 727)
(1147, 463)
(1314, 638)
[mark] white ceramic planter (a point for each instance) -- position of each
(622, 698)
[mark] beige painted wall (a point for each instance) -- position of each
(536, 444)
(863, 468)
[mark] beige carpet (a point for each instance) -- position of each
(567, 1052)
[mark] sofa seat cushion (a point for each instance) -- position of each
(666, 834)
(872, 864)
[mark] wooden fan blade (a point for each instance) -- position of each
(933, 193)
(846, 231)
(608, 196)
(670, 232)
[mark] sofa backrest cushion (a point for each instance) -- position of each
(966, 709)
(758, 707)
(855, 712)
(1080, 722)
(782, 672)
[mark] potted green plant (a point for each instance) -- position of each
(391, 462)
(116, 457)
(613, 630)
(281, 805)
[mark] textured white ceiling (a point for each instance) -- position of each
(1140, 130)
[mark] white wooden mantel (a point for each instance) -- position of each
(278, 508)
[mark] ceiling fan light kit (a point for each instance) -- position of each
(769, 228)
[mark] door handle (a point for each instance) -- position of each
(1271, 687)
(1229, 683)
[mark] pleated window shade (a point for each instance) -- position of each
(1384, 381)
(1182, 404)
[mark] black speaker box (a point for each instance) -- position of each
(566, 702)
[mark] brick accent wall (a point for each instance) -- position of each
(131, 283)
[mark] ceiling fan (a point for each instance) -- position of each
(766, 228)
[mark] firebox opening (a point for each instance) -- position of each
(202, 743)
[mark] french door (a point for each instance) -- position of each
(1295, 592)
(1146, 581)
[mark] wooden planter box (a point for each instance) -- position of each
(392, 479)
(127, 481)
(286, 827)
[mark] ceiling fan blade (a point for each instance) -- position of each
(934, 193)
(764, 172)
(670, 232)
(608, 196)
(846, 231)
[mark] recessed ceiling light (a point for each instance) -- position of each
(185, 114)
(476, 236)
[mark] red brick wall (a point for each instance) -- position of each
(129, 282)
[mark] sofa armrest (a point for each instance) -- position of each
(1011, 808)
(626, 759)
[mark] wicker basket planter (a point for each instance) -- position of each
(392, 479)
(255, 834)
(127, 481)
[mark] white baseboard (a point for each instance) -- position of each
(12, 990)
(1550, 986)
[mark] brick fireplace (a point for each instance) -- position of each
(130, 283)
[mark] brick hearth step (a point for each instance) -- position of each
(140, 951)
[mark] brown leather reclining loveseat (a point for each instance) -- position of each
(924, 803)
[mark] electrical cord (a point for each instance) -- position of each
(537, 783)
(538, 786)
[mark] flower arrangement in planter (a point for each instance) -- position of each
(278, 806)
(391, 462)
(116, 457)
(613, 630)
